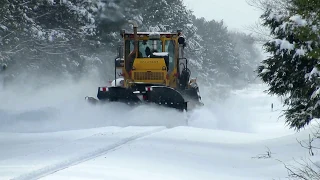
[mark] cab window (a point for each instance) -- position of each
(169, 47)
(129, 46)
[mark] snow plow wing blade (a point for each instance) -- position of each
(117, 94)
(166, 96)
(158, 95)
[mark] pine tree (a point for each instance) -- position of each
(291, 70)
(248, 54)
(219, 60)
(52, 35)
(164, 15)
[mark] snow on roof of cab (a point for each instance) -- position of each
(146, 33)
(161, 53)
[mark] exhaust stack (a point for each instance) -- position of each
(135, 32)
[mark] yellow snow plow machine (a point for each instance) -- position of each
(150, 68)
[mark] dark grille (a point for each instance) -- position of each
(148, 76)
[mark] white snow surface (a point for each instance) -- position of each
(56, 135)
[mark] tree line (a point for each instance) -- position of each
(72, 37)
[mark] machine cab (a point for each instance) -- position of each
(151, 57)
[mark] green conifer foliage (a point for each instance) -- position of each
(291, 70)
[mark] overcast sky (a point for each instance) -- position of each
(237, 14)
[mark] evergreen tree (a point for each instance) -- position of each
(248, 54)
(164, 15)
(219, 60)
(292, 69)
(54, 36)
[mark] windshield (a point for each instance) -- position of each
(146, 47)
(150, 46)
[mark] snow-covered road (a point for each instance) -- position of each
(69, 140)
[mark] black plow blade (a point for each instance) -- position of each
(166, 96)
(118, 94)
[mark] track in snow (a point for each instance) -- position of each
(47, 170)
